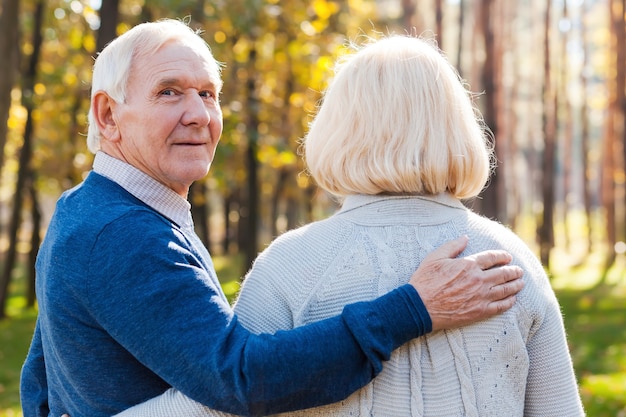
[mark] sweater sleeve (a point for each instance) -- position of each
(551, 386)
(171, 308)
(33, 383)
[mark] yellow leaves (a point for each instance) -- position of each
(79, 39)
(319, 25)
(70, 79)
(271, 156)
(364, 7)
(122, 28)
(241, 49)
(27, 49)
(280, 57)
(47, 67)
(89, 43)
(324, 63)
(308, 28)
(36, 115)
(75, 38)
(219, 37)
(303, 180)
(17, 117)
(320, 72)
(297, 100)
(324, 9)
(40, 89)
(13, 123)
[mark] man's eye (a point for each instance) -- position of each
(168, 92)
(207, 94)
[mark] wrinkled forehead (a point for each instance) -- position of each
(193, 43)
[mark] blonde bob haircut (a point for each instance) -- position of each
(119, 58)
(396, 118)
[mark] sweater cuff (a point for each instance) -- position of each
(384, 324)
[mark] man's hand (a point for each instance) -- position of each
(460, 291)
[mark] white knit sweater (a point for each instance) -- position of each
(515, 364)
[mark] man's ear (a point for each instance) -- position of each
(103, 107)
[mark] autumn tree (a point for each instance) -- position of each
(9, 42)
(25, 174)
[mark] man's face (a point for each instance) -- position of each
(171, 121)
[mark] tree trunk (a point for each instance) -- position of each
(613, 129)
(620, 36)
(24, 158)
(514, 194)
(252, 164)
(502, 105)
(279, 189)
(109, 18)
(200, 211)
(409, 13)
(459, 51)
(439, 22)
(292, 212)
(567, 133)
(9, 51)
(584, 132)
(228, 228)
(35, 240)
(546, 224)
(490, 204)
(608, 186)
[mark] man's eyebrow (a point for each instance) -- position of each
(167, 82)
(214, 84)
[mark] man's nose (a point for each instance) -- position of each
(196, 111)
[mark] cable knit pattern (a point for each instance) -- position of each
(515, 364)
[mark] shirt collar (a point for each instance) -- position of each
(145, 188)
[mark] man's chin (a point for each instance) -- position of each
(198, 171)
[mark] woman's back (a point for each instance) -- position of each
(515, 364)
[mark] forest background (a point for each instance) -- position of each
(549, 78)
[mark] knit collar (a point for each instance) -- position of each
(145, 188)
(383, 209)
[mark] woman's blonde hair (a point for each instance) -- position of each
(397, 119)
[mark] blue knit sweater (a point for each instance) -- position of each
(129, 305)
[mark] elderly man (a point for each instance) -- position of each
(129, 301)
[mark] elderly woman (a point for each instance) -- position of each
(398, 140)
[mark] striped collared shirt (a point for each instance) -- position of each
(145, 188)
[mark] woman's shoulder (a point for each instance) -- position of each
(487, 234)
(303, 254)
(313, 239)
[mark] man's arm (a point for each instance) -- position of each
(33, 382)
(366, 325)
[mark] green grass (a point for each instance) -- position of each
(15, 335)
(595, 319)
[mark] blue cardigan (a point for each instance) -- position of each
(129, 305)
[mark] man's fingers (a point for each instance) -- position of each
(500, 306)
(502, 274)
(450, 249)
(509, 287)
(489, 259)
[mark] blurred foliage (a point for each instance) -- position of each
(293, 45)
